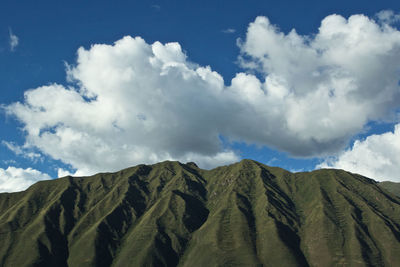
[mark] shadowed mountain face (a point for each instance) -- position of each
(173, 214)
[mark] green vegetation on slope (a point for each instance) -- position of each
(392, 187)
(173, 214)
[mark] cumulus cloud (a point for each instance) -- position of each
(323, 88)
(134, 102)
(14, 41)
(15, 179)
(378, 157)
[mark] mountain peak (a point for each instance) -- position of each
(170, 214)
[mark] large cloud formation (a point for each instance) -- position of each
(326, 86)
(134, 102)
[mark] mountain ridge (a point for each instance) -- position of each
(175, 214)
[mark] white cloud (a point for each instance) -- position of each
(134, 102)
(21, 151)
(322, 89)
(147, 103)
(388, 16)
(378, 157)
(14, 41)
(229, 30)
(62, 173)
(15, 179)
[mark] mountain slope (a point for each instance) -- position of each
(392, 187)
(173, 214)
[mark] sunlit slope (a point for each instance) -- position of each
(173, 214)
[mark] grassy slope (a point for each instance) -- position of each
(169, 214)
(392, 187)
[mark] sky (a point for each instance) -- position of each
(98, 86)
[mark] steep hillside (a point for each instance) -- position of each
(173, 214)
(392, 187)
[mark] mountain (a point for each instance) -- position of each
(392, 187)
(174, 214)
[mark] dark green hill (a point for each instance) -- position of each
(173, 214)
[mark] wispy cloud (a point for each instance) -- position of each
(272, 161)
(229, 30)
(388, 16)
(14, 40)
(21, 151)
(156, 7)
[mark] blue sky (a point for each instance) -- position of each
(339, 119)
